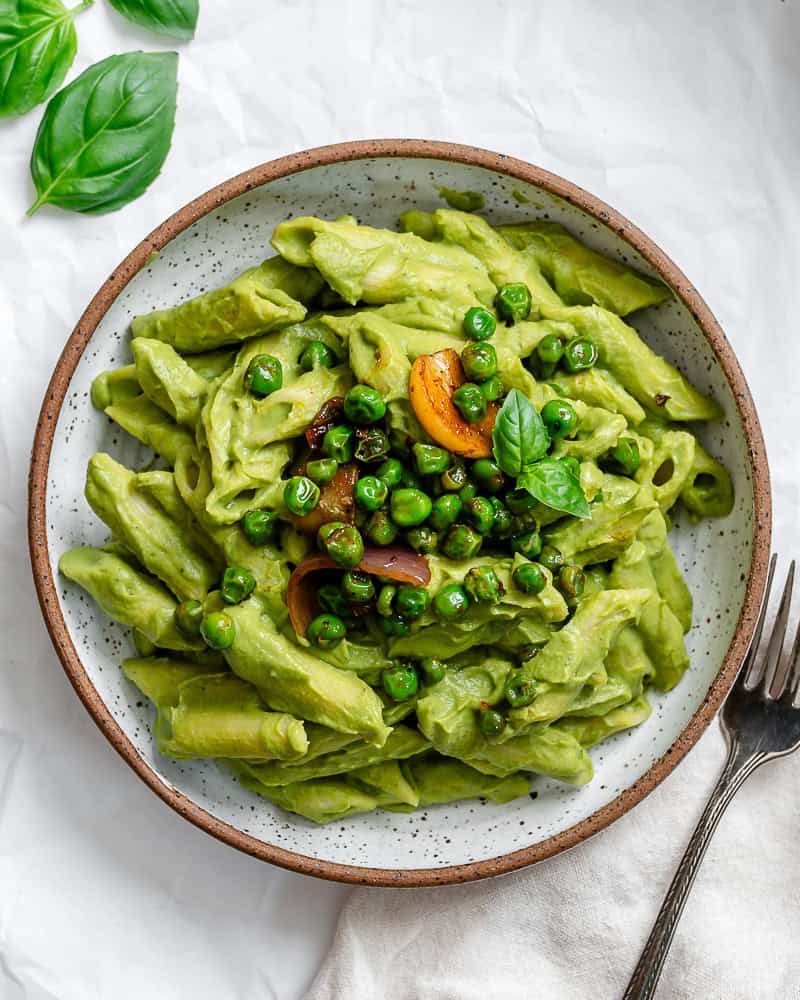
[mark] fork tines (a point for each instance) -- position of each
(776, 675)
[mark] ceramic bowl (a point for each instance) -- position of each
(204, 245)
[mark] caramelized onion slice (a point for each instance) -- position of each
(393, 562)
(329, 415)
(336, 502)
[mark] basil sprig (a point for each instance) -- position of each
(520, 442)
(104, 138)
(37, 46)
(176, 18)
(519, 437)
(554, 484)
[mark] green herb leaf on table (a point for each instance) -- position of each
(176, 18)
(37, 46)
(519, 437)
(104, 138)
(552, 483)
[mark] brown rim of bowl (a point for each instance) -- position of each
(48, 597)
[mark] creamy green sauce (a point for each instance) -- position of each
(322, 728)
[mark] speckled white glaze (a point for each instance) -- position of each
(714, 555)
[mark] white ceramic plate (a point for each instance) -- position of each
(376, 182)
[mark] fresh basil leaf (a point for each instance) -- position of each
(176, 18)
(519, 437)
(104, 138)
(553, 483)
(37, 46)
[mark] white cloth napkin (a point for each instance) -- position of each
(572, 928)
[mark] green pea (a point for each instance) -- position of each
(390, 471)
(461, 542)
(237, 584)
(411, 602)
(317, 355)
(571, 581)
(434, 670)
(322, 470)
(519, 691)
(491, 722)
(483, 585)
(550, 349)
(409, 479)
(300, 495)
(385, 605)
(479, 324)
(422, 539)
(491, 389)
(528, 544)
(520, 501)
(381, 529)
(551, 558)
(524, 522)
(372, 445)
(326, 631)
(395, 626)
(331, 598)
(445, 511)
(409, 507)
(479, 513)
(541, 370)
(529, 578)
(371, 493)
(218, 630)
(258, 526)
(559, 418)
(503, 523)
(189, 617)
(479, 362)
(342, 543)
(339, 443)
(470, 403)
(513, 302)
(451, 601)
(467, 492)
(430, 460)
(580, 355)
(488, 475)
(400, 681)
(624, 457)
(455, 477)
(357, 588)
(364, 405)
(264, 375)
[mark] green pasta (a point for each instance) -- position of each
(582, 276)
(406, 538)
(262, 299)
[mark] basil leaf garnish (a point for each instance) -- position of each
(176, 18)
(553, 483)
(104, 138)
(37, 46)
(519, 437)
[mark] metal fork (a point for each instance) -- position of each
(761, 721)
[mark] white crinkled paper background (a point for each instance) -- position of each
(682, 115)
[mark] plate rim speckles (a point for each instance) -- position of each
(295, 164)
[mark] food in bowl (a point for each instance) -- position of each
(407, 539)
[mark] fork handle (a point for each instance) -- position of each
(648, 969)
